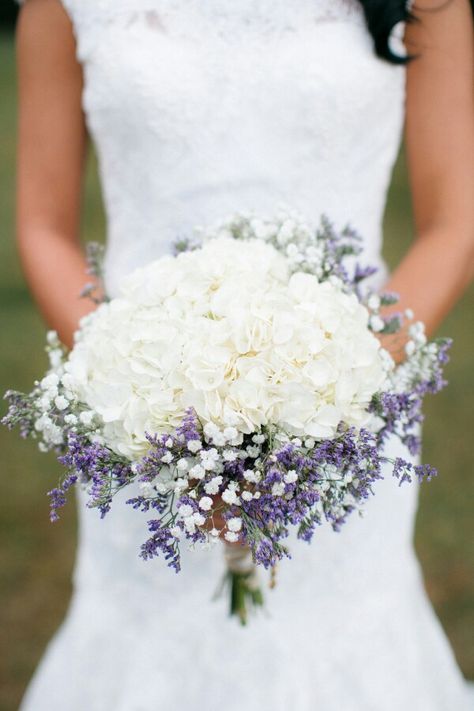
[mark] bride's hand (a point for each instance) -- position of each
(394, 344)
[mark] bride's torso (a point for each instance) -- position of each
(198, 109)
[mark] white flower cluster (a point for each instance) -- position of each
(56, 404)
(50, 394)
(228, 330)
(288, 232)
(421, 360)
(183, 475)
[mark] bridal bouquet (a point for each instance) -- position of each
(236, 389)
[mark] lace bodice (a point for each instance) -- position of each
(199, 109)
(227, 19)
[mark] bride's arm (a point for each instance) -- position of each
(51, 153)
(440, 145)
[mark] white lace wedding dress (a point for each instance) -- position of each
(199, 108)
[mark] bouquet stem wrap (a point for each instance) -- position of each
(242, 577)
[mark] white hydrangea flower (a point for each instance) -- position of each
(229, 330)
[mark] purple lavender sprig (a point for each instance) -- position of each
(95, 290)
(96, 465)
(21, 410)
(259, 494)
(400, 408)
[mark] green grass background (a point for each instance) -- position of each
(36, 557)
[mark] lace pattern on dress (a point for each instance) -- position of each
(270, 13)
(223, 17)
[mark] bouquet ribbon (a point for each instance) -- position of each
(242, 577)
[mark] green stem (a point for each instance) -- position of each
(243, 596)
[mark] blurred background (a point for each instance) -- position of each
(36, 557)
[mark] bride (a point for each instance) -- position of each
(198, 108)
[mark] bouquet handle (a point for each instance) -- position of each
(242, 579)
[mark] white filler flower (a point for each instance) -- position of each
(229, 330)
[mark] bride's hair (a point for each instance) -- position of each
(382, 16)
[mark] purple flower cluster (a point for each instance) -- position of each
(337, 246)
(287, 484)
(254, 490)
(401, 409)
(95, 465)
(20, 407)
